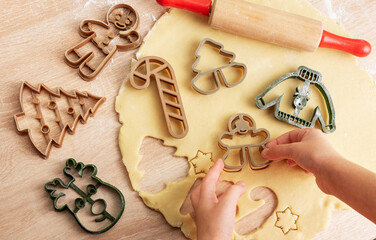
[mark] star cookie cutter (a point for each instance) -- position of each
(308, 76)
(100, 210)
(216, 72)
(243, 124)
(283, 225)
(157, 68)
(53, 113)
(116, 33)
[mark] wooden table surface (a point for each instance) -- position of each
(34, 35)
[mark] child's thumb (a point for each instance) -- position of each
(233, 193)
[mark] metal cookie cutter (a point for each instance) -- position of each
(242, 124)
(159, 69)
(217, 73)
(309, 77)
(56, 112)
(103, 215)
(116, 33)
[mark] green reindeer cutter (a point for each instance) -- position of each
(308, 76)
(91, 189)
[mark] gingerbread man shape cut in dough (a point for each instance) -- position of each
(240, 125)
(103, 40)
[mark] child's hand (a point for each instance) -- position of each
(215, 217)
(308, 148)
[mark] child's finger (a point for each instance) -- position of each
(289, 137)
(231, 196)
(209, 182)
(195, 197)
(280, 152)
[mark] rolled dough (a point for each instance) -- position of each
(175, 38)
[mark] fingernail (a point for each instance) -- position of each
(264, 153)
(241, 183)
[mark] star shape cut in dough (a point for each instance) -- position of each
(202, 162)
(286, 220)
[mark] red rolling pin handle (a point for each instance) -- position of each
(198, 6)
(357, 47)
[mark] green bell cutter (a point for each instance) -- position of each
(309, 77)
(89, 207)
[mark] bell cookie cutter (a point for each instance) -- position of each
(308, 76)
(216, 72)
(78, 107)
(87, 196)
(116, 33)
(243, 124)
(155, 67)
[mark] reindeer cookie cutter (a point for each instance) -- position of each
(121, 22)
(98, 206)
(53, 115)
(217, 73)
(243, 124)
(173, 109)
(309, 77)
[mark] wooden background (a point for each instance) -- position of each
(33, 37)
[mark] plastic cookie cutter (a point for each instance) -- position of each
(46, 115)
(160, 70)
(98, 205)
(309, 77)
(241, 125)
(117, 33)
(217, 73)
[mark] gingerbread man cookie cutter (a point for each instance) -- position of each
(105, 218)
(243, 124)
(174, 100)
(63, 116)
(217, 73)
(121, 22)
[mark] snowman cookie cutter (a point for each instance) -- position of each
(243, 124)
(104, 215)
(216, 72)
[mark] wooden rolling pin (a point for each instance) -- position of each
(270, 25)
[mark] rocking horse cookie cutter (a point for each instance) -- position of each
(243, 124)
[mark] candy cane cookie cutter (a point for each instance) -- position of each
(154, 69)
(217, 73)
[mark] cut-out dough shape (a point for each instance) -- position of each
(256, 218)
(202, 162)
(243, 124)
(46, 114)
(217, 73)
(116, 33)
(286, 220)
(87, 201)
(156, 68)
(309, 77)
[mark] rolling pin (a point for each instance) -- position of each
(270, 25)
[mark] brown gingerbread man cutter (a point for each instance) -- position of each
(103, 40)
(243, 124)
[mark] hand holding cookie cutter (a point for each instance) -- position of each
(216, 72)
(172, 90)
(121, 22)
(243, 124)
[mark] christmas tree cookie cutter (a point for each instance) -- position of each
(162, 72)
(243, 124)
(51, 131)
(116, 33)
(308, 76)
(86, 197)
(217, 73)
